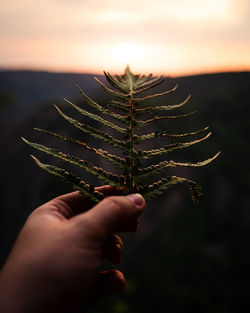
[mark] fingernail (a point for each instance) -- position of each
(137, 199)
(118, 253)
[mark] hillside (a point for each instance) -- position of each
(29, 88)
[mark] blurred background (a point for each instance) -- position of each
(185, 257)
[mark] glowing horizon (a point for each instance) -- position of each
(161, 36)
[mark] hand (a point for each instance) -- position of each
(55, 262)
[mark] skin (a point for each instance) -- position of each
(54, 265)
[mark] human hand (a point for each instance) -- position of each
(55, 262)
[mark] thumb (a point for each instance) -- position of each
(114, 214)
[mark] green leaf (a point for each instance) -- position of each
(101, 109)
(161, 133)
(120, 162)
(158, 187)
(76, 182)
(94, 132)
(172, 147)
(115, 83)
(156, 95)
(112, 92)
(144, 81)
(164, 134)
(158, 82)
(151, 170)
(119, 106)
(129, 80)
(198, 164)
(135, 177)
(154, 109)
(89, 167)
(98, 118)
(157, 118)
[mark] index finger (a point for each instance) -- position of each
(75, 203)
(113, 214)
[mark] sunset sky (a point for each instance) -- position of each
(173, 37)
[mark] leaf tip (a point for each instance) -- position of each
(56, 107)
(175, 87)
(35, 159)
(25, 140)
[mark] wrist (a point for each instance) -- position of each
(17, 291)
(11, 299)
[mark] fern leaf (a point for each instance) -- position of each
(98, 118)
(94, 132)
(170, 117)
(115, 83)
(135, 177)
(158, 82)
(118, 117)
(76, 182)
(120, 162)
(157, 168)
(164, 134)
(154, 109)
(146, 80)
(161, 133)
(198, 164)
(89, 167)
(95, 105)
(66, 139)
(156, 95)
(158, 187)
(129, 80)
(139, 83)
(171, 147)
(112, 92)
(119, 106)
(151, 170)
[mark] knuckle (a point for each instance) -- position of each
(118, 204)
(112, 202)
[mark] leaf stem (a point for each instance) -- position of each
(131, 130)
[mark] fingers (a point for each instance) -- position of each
(113, 249)
(113, 214)
(75, 203)
(110, 283)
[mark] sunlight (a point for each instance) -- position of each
(194, 10)
(197, 10)
(126, 53)
(180, 36)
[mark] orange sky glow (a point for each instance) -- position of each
(177, 37)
